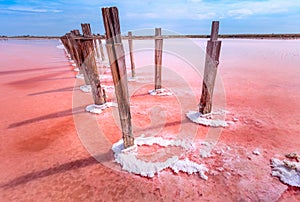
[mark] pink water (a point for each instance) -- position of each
(42, 157)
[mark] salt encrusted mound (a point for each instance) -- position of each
(76, 69)
(206, 120)
(73, 64)
(97, 109)
(160, 92)
(79, 76)
(129, 162)
(86, 88)
(189, 167)
(287, 171)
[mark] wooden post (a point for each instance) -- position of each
(131, 54)
(80, 56)
(101, 49)
(73, 34)
(71, 51)
(211, 66)
(158, 57)
(116, 57)
(89, 64)
(64, 41)
(96, 48)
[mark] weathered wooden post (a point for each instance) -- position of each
(211, 65)
(64, 41)
(80, 58)
(89, 64)
(73, 34)
(158, 57)
(116, 57)
(96, 47)
(68, 36)
(130, 44)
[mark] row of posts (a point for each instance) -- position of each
(83, 49)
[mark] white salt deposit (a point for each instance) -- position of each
(287, 171)
(86, 88)
(73, 64)
(76, 69)
(127, 158)
(160, 92)
(97, 109)
(256, 152)
(206, 119)
(189, 167)
(162, 142)
(79, 76)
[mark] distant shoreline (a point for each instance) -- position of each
(224, 36)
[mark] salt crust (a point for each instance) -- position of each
(160, 92)
(287, 171)
(127, 158)
(207, 119)
(97, 109)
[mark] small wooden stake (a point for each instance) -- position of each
(211, 66)
(116, 57)
(96, 48)
(101, 49)
(131, 54)
(158, 58)
(89, 64)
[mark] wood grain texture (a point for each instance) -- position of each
(116, 57)
(158, 58)
(89, 65)
(213, 49)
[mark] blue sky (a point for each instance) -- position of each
(56, 17)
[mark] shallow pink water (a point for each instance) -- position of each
(42, 157)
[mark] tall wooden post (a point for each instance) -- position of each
(116, 57)
(89, 64)
(211, 66)
(130, 43)
(158, 57)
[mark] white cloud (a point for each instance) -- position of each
(195, 1)
(240, 12)
(198, 9)
(143, 15)
(203, 16)
(32, 10)
(249, 8)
